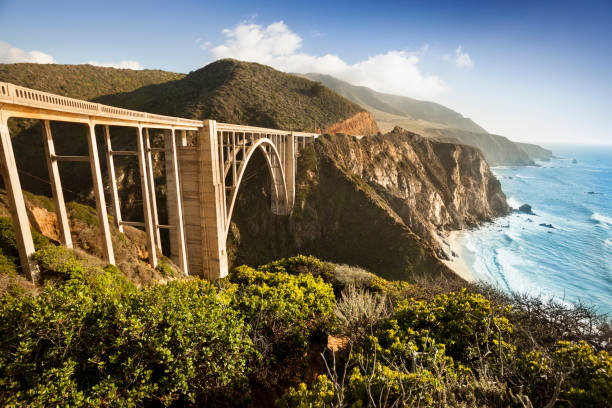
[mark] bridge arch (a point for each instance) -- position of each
(275, 169)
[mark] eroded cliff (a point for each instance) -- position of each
(379, 202)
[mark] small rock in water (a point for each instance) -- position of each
(525, 208)
(574, 161)
(529, 220)
(547, 226)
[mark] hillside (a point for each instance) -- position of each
(397, 105)
(82, 81)
(434, 120)
(243, 93)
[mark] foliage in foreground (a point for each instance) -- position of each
(91, 338)
(97, 340)
(456, 349)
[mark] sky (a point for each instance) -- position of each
(533, 71)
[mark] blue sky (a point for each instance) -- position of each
(532, 71)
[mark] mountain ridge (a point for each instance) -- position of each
(435, 120)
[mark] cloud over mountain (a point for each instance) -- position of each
(395, 71)
(10, 55)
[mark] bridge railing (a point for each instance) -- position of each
(230, 127)
(19, 95)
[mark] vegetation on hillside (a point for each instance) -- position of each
(244, 93)
(93, 339)
(82, 81)
(398, 106)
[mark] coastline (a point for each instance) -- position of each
(457, 261)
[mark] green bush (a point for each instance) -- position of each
(469, 325)
(97, 340)
(285, 313)
(9, 253)
(301, 264)
(587, 374)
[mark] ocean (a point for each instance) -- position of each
(569, 258)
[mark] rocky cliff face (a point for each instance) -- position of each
(431, 185)
(379, 202)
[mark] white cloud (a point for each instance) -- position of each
(125, 64)
(276, 45)
(462, 59)
(10, 55)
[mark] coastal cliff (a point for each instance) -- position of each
(380, 202)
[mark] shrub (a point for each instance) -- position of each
(346, 275)
(301, 264)
(96, 340)
(284, 312)
(8, 243)
(468, 324)
(587, 374)
(358, 311)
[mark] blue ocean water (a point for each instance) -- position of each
(570, 262)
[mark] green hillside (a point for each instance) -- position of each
(244, 93)
(397, 105)
(82, 81)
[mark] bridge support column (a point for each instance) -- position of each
(98, 187)
(110, 163)
(151, 183)
(17, 207)
(212, 203)
(146, 200)
(56, 186)
(290, 170)
(178, 246)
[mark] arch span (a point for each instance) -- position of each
(275, 169)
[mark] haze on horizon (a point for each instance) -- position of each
(531, 72)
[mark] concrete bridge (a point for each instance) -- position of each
(203, 175)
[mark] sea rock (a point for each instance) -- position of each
(525, 208)
(547, 226)
(574, 161)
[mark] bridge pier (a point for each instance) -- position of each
(178, 248)
(212, 203)
(56, 186)
(146, 199)
(19, 215)
(98, 187)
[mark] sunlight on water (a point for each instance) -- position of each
(565, 249)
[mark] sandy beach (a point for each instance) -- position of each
(457, 263)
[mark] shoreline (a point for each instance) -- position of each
(457, 263)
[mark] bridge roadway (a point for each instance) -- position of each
(203, 175)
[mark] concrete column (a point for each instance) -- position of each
(290, 169)
(98, 187)
(146, 199)
(182, 135)
(174, 202)
(212, 203)
(19, 215)
(151, 183)
(110, 163)
(56, 186)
